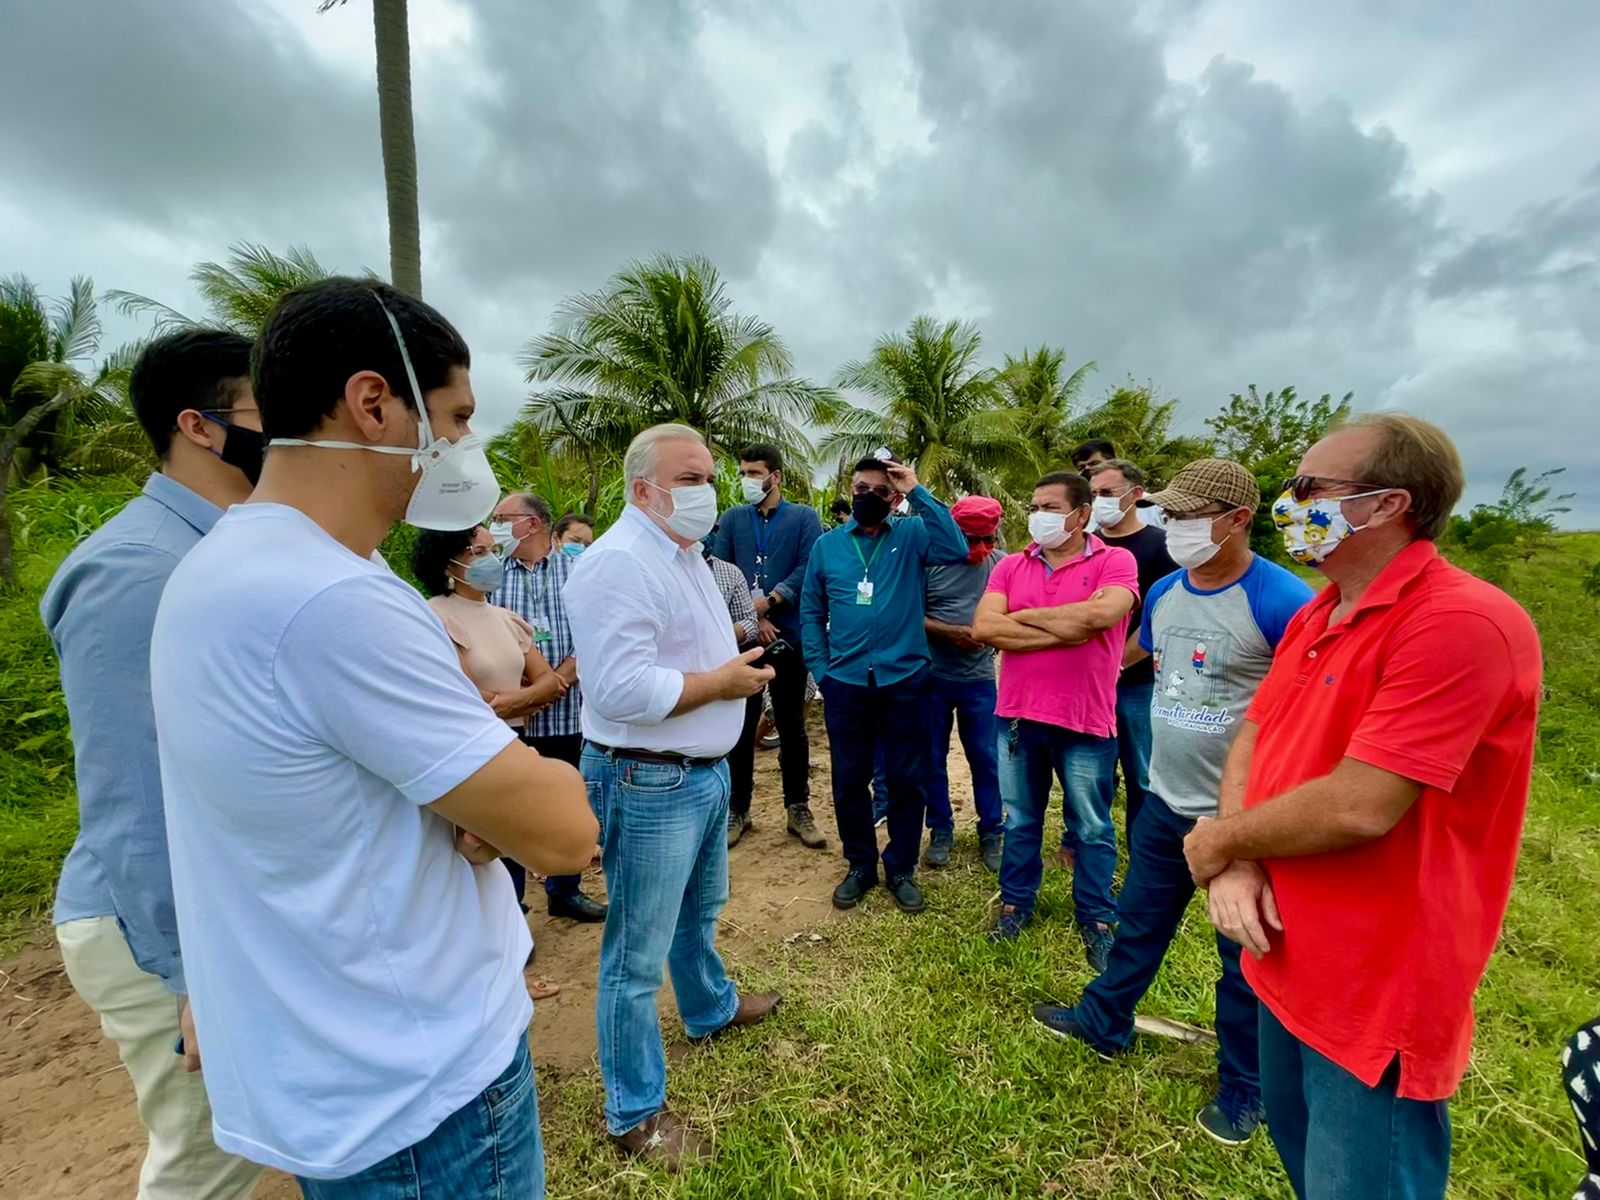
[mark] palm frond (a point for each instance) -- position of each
(165, 319)
(75, 324)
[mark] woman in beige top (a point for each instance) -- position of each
(458, 571)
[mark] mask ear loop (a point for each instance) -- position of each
(424, 429)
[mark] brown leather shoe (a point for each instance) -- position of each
(753, 1009)
(665, 1141)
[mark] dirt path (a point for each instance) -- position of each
(67, 1121)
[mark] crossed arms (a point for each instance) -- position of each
(1042, 628)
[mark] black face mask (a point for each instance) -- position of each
(869, 509)
(244, 450)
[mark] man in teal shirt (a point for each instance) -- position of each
(861, 615)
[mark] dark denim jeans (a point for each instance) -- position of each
(1133, 747)
(788, 692)
(1155, 893)
(664, 839)
(567, 748)
(1031, 753)
(1342, 1140)
(968, 704)
(488, 1150)
(860, 720)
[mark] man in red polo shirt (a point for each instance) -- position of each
(1058, 612)
(1370, 814)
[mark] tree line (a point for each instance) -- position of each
(662, 341)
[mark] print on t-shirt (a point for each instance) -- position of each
(1190, 662)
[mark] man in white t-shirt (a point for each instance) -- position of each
(664, 691)
(335, 787)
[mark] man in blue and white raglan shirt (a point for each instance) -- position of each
(1211, 628)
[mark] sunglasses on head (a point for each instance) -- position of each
(1303, 487)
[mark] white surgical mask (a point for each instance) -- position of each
(1106, 511)
(500, 531)
(458, 488)
(1189, 541)
(755, 490)
(694, 510)
(1049, 529)
(1311, 529)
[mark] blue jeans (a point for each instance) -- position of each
(1031, 752)
(1133, 746)
(664, 845)
(488, 1150)
(863, 723)
(1342, 1140)
(1155, 893)
(969, 705)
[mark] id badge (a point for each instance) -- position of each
(864, 592)
(541, 635)
(756, 593)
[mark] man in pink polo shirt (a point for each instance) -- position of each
(1058, 614)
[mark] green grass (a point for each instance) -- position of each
(903, 1062)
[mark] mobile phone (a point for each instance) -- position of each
(779, 648)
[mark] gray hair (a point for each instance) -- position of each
(533, 505)
(642, 457)
(1130, 473)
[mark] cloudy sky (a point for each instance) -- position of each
(1396, 198)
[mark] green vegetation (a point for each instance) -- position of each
(904, 1063)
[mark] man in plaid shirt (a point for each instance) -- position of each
(532, 589)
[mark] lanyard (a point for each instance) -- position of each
(763, 528)
(867, 559)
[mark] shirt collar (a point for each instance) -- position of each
(636, 516)
(186, 503)
(1091, 546)
(1392, 582)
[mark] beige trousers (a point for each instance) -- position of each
(138, 1013)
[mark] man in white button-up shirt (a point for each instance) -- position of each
(664, 688)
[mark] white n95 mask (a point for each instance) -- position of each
(458, 488)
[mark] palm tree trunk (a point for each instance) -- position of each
(9, 446)
(396, 132)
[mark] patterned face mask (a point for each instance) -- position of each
(1312, 529)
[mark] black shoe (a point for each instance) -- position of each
(856, 885)
(906, 894)
(1063, 1022)
(1097, 943)
(938, 852)
(578, 907)
(1231, 1118)
(991, 846)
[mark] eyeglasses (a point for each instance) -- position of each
(861, 489)
(1303, 487)
(1109, 494)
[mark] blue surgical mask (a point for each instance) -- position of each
(573, 549)
(485, 573)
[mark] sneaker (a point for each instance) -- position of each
(1232, 1118)
(804, 826)
(906, 894)
(1097, 940)
(880, 815)
(769, 741)
(1008, 926)
(937, 854)
(992, 847)
(1063, 1022)
(738, 825)
(854, 886)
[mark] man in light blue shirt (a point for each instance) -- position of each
(114, 912)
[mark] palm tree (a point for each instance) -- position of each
(46, 394)
(1043, 405)
(939, 411)
(240, 293)
(1139, 424)
(660, 342)
(391, 30)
